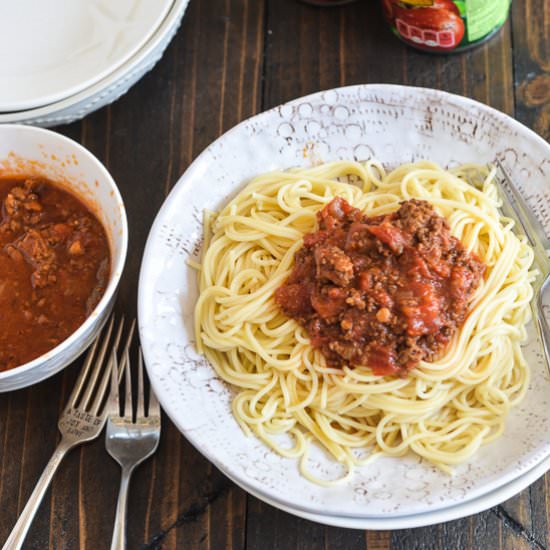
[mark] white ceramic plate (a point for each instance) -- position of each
(51, 50)
(109, 88)
(441, 515)
(394, 124)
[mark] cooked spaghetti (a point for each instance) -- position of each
(442, 409)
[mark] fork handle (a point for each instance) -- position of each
(119, 532)
(19, 532)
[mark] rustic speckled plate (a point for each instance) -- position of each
(441, 515)
(394, 124)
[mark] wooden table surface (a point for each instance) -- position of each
(230, 60)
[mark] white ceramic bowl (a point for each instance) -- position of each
(28, 150)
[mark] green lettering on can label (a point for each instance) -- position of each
(483, 16)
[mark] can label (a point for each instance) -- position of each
(445, 25)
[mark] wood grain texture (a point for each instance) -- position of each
(230, 60)
(531, 23)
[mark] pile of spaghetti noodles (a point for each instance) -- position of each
(443, 410)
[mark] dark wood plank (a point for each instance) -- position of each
(269, 528)
(484, 531)
(539, 500)
(353, 539)
(31, 430)
(378, 540)
(532, 64)
(519, 509)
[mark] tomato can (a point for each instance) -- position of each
(445, 26)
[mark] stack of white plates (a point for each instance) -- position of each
(63, 59)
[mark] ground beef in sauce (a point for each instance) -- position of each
(386, 291)
(54, 267)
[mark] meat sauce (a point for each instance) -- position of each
(54, 267)
(385, 292)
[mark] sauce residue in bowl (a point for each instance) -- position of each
(54, 266)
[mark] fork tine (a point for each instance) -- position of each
(154, 407)
(125, 370)
(113, 404)
(128, 385)
(127, 344)
(140, 413)
(99, 364)
(114, 371)
(110, 372)
(532, 227)
(83, 373)
(518, 210)
(88, 363)
(510, 205)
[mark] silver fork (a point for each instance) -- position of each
(82, 420)
(515, 207)
(129, 442)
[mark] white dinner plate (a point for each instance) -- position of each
(52, 50)
(450, 513)
(110, 88)
(394, 124)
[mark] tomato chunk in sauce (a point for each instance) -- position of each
(54, 267)
(385, 292)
